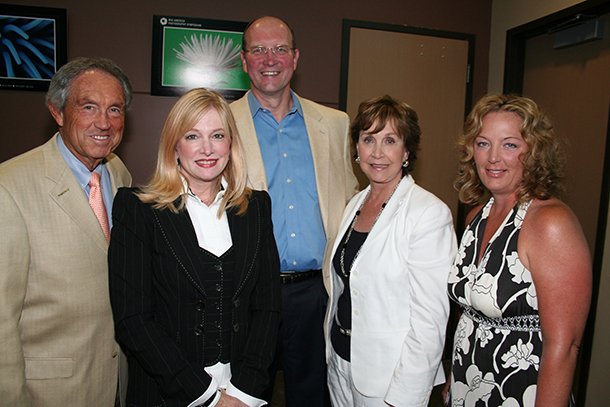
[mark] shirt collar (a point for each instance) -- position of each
(256, 107)
(191, 195)
(80, 171)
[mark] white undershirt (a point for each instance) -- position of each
(213, 233)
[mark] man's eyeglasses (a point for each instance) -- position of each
(278, 50)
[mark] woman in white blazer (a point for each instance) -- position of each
(388, 307)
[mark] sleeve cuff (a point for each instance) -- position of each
(209, 398)
(243, 397)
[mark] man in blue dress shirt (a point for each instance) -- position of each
(299, 151)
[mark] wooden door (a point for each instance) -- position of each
(427, 69)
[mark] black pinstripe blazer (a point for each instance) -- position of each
(159, 302)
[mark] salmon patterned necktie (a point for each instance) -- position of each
(96, 201)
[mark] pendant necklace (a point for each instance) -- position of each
(344, 272)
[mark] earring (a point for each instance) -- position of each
(357, 159)
(405, 164)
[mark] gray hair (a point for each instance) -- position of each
(59, 89)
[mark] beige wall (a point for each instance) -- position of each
(507, 14)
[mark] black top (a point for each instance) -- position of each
(218, 277)
(340, 342)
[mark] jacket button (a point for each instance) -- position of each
(236, 303)
(235, 327)
(200, 306)
(198, 331)
(218, 267)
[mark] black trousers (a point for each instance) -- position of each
(301, 348)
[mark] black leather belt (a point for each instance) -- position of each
(296, 276)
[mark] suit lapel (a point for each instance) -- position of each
(179, 234)
(247, 132)
(113, 175)
(68, 194)
(119, 176)
(387, 216)
(245, 241)
(319, 141)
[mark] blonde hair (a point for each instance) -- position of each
(542, 162)
(166, 185)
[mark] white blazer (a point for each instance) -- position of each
(399, 296)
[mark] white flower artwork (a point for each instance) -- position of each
(210, 57)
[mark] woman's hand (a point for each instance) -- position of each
(229, 401)
(445, 391)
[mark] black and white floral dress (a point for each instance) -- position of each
(498, 343)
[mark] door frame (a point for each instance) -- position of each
(516, 38)
(514, 67)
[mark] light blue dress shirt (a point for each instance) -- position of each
(297, 222)
(83, 175)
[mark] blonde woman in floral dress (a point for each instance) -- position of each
(522, 276)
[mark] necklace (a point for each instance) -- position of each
(344, 272)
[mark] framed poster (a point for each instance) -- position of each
(32, 46)
(192, 52)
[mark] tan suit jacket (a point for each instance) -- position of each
(57, 346)
(330, 147)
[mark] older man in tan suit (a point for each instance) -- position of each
(57, 345)
(299, 151)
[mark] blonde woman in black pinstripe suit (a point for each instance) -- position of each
(194, 271)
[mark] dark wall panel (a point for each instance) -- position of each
(122, 31)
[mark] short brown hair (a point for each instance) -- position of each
(387, 110)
